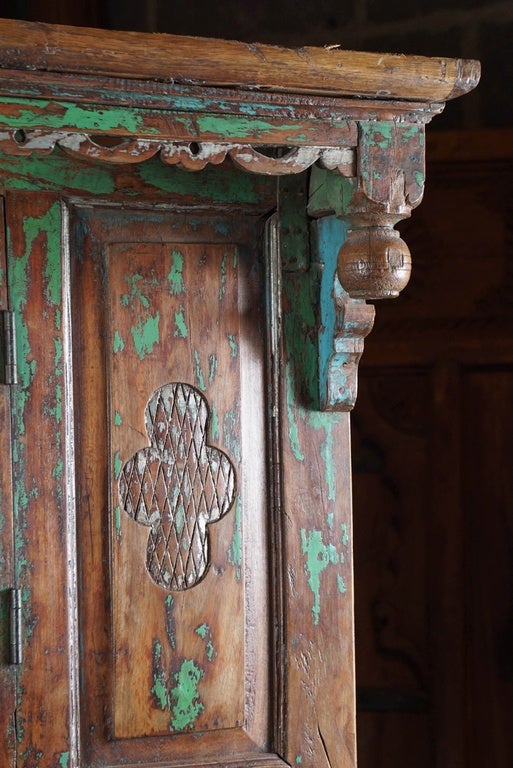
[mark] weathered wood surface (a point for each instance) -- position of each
(204, 61)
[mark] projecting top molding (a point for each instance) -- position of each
(329, 71)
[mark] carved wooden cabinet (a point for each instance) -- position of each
(180, 358)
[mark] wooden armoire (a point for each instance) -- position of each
(191, 231)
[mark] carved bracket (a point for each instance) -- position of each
(374, 262)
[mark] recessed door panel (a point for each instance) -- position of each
(173, 523)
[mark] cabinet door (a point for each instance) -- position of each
(142, 488)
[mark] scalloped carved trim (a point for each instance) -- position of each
(192, 156)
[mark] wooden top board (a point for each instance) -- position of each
(198, 61)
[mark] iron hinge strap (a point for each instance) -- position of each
(16, 644)
(8, 341)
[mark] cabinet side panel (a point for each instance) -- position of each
(319, 720)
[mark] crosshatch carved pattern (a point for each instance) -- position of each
(177, 486)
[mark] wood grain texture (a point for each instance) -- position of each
(205, 61)
(8, 673)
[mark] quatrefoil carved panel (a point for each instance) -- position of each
(177, 486)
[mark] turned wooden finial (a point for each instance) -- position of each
(374, 262)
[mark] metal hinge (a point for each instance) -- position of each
(16, 644)
(9, 370)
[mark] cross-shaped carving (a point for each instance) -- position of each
(177, 486)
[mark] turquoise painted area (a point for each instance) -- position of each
(222, 287)
(299, 759)
(198, 373)
(117, 419)
(213, 183)
(235, 550)
(181, 331)
(145, 334)
(318, 556)
(118, 344)
(135, 292)
(175, 276)
(64, 760)
(43, 114)
(234, 347)
(170, 620)
(117, 523)
(187, 703)
(214, 423)
(159, 687)
(331, 233)
(231, 438)
(205, 633)
(56, 172)
(212, 368)
(118, 465)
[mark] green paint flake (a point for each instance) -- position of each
(181, 331)
(117, 523)
(299, 759)
(205, 633)
(341, 585)
(118, 344)
(230, 434)
(118, 465)
(135, 293)
(36, 172)
(212, 368)
(203, 630)
(146, 334)
(170, 623)
(234, 347)
(235, 550)
(188, 704)
(175, 276)
(345, 535)
(117, 419)
(318, 557)
(329, 519)
(214, 423)
(198, 372)
(222, 287)
(64, 760)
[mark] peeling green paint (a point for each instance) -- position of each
(318, 557)
(235, 550)
(27, 113)
(205, 633)
(181, 331)
(117, 522)
(135, 292)
(230, 433)
(145, 334)
(200, 381)
(222, 287)
(212, 368)
(234, 347)
(117, 419)
(341, 585)
(170, 620)
(214, 423)
(118, 465)
(175, 276)
(188, 705)
(118, 344)
(64, 760)
(299, 759)
(36, 172)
